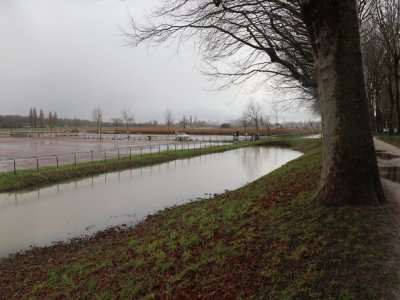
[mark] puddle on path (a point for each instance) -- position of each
(390, 173)
(386, 156)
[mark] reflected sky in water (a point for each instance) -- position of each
(83, 207)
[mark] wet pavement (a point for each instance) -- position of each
(389, 165)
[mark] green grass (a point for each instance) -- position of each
(390, 139)
(266, 240)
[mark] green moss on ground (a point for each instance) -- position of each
(263, 241)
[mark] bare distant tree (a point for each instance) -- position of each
(116, 122)
(184, 122)
(128, 118)
(55, 119)
(244, 121)
(254, 113)
(275, 111)
(34, 118)
(50, 120)
(31, 117)
(169, 119)
(265, 121)
(131, 121)
(41, 119)
(97, 116)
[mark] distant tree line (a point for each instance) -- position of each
(36, 120)
(13, 121)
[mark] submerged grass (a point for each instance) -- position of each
(263, 241)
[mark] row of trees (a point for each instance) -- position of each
(127, 119)
(40, 121)
(254, 116)
(381, 50)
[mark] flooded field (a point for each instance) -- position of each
(26, 146)
(71, 149)
(83, 207)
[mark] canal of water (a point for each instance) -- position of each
(68, 210)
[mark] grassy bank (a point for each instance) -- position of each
(26, 179)
(390, 139)
(266, 240)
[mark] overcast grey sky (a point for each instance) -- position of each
(67, 56)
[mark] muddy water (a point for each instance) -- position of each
(69, 210)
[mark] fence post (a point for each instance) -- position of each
(175, 148)
(15, 168)
(150, 149)
(159, 149)
(105, 156)
(75, 158)
(182, 147)
(118, 154)
(91, 155)
(37, 163)
(130, 153)
(141, 151)
(57, 161)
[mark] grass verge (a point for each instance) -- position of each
(390, 139)
(265, 240)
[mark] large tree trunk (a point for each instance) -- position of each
(350, 172)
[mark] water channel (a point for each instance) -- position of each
(83, 207)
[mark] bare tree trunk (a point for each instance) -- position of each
(397, 91)
(257, 127)
(378, 118)
(372, 113)
(391, 98)
(350, 172)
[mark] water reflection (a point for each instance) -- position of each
(85, 206)
(390, 173)
(385, 155)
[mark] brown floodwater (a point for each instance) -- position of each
(64, 211)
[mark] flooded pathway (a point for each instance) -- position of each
(69, 210)
(388, 162)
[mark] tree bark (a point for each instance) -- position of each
(397, 91)
(350, 173)
(392, 101)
